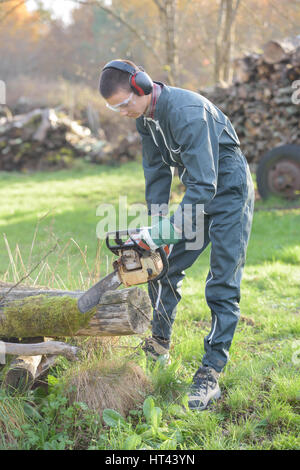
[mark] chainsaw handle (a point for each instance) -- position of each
(165, 262)
(119, 243)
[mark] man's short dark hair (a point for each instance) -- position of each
(112, 80)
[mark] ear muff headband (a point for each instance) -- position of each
(139, 81)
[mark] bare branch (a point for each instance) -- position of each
(9, 12)
(122, 20)
(160, 6)
(36, 349)
(283, 14)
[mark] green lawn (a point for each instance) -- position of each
(260, 405)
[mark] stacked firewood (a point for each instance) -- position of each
(41, 139)
(262, 102)
(44, 139)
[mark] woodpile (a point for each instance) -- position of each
(124, 149)
(44, 139)
(41, 140)
(259, 103)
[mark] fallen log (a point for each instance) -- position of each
(35, 312)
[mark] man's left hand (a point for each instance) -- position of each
(162, 232)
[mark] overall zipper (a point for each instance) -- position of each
(158, 128)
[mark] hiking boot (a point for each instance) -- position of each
(157, 349)
(204, 388)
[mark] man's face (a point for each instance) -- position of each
(131, 105)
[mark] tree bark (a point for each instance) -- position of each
(26, 312)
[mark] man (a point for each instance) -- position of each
(183, 129)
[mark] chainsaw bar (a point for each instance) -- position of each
(92, 297)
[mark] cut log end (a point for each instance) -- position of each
(277, 50)
(22, 372)
(122, 312)
(140, 307)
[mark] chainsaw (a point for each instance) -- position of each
(134, 266)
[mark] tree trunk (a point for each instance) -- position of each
(218, 43)
(225, 40)
(168, 18)
(29, 312)
(171, 39)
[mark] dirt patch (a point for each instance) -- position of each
(247, 320)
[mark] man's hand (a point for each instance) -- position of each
(162, 232)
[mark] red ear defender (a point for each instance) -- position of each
(139, 80)
(141, 83)
(135, 86)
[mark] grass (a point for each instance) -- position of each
(260, 404)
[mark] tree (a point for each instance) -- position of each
(168, 16)
(225, 39)
(189, 43)
(19, 34)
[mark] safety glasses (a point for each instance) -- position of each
(118, 107)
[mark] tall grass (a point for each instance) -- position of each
(12, 420)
